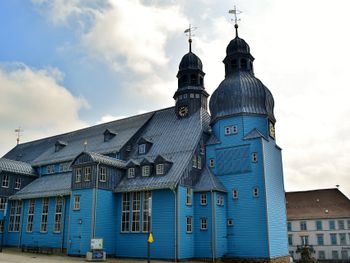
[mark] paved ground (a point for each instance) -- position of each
(10, 255)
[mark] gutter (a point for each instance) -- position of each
(176, 222)
(95, 201)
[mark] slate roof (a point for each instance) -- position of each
(46, 186)
(208, 182)
(42, 151)
(17, 167)
(253, 134)
(175, 140)
(317, 204)
(99, 158)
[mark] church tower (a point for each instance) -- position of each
(242, 153)
(190, 95)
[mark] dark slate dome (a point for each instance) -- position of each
(190, 61)
(237, 45)
(241, 93)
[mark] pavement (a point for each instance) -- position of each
(12, 255)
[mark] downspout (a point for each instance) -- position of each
(22, 222)
(213, 228)
(64, 223)
(176, 210)
(95, 201)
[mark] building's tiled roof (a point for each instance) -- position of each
(317, 204)
(102, 159)
(17, 167)
(46, 186)
(208, 182)
(175, 140)
(42, 151)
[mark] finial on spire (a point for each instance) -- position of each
(235, 12)
(189, 33)
(18, 132)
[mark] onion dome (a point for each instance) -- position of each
(240, 92)
(190, 61)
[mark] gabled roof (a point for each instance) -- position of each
(146, 161)
(132, 163)
(46, 186)
(42, 151)
(17, 167)
(175, 140)
(253, 134)
(144, 140)
(209, 182)
(102, 159)
(317, 204)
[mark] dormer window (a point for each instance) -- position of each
(59, 145)
(160, 169)
(146, 170)
(142, 148)
(87, 174)
(50, 169)
(78, 175)
(109, 135)
(131, 172)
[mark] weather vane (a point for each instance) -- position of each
(236, 19)
(18, 133)
(189, 33)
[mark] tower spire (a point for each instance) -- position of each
(189, 33)
(236, 19)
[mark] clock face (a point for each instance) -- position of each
(272, 130)
(183, 111)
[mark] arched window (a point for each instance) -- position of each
(234, 64)
(183, 79)
(201, 81)
(243, 63)
(193, 79)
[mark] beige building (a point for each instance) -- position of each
(321, 219)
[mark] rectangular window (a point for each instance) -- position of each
(64, 167)
(255, 192)
(199, 162)
(204, 224)
(230, 222)
(194, 161)
(342, 239)
(211, 162)
(30, 218)
(304, 240)
(131, 172)
(232, 129)
(320, 239)
(145, 170)
(331, 225)
(254, 157)
(136, 210)
(3, 201)
(235, 194)
(18, 183)
(87, 174)
(344, 255)
(318, 225)
(303, 226)
(334, 239)
(188, 196)
(348, 223)
(103, 174)
(126, 212)
(341, 225)
(290, 240)
(58, 215)
(146, 209)
(15, 216)
(321, 254)
(160, 169)
(220, 200)
(289, 226)
(203, 199)
(76, 205)
(335, 254)
(191, 96)
(188, 224)
(44, 214)
(50, 169)
(142, 148)
(5, 181)
(78, 175)
(2, 227)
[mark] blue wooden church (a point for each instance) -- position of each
(208, 186)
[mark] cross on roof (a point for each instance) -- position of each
(236, 19)
(189, 33)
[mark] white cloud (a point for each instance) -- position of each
(34, 100)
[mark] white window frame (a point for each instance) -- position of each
(147, 196)
(58, 215)
(204, 223)
(131, 172)
(204, 199)
(64, 167)
(78, 173)
(125, 222)
(51, 169)
(199, 162)
(142, 148)
(211, 162)
(103, 174)
(189, 193)
(30, 217)
(220, 200)
(234, 193)
(15, 216)
(194, 161)
(18, 183)
(146, 170)
(341, 225)
(87, 174)
(160, 169)
(76, 205)
(3, 201)
(136, 212)
(5, 181)
(188, 224)
(44, 214)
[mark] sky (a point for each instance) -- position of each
(68, 64)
